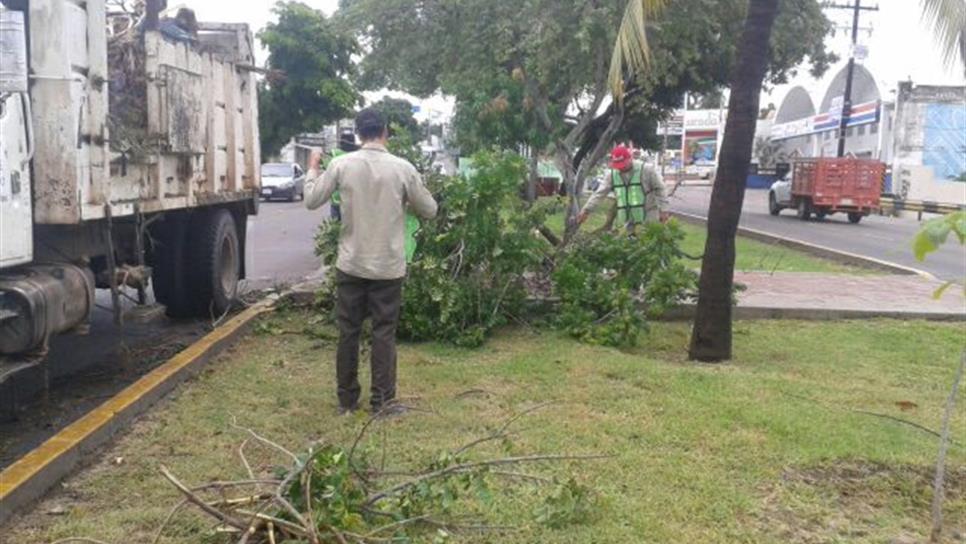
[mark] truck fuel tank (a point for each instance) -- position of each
(38, 301)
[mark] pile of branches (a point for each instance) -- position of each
(336, 495)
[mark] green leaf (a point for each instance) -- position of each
(938, 293)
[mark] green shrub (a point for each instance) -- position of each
(610, 285)
(467, 274)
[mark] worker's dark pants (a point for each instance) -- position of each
(380, 300)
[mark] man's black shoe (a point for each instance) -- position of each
(389, 410)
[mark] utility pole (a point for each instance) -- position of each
(856, 8)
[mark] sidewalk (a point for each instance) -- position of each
(804, 295)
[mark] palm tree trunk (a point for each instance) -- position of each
(711, 337)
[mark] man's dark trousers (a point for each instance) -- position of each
(380, 300)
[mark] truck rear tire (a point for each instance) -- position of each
(855, 217)
(215, 254)
(169, 278)
(804, 210)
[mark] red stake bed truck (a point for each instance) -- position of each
(825, 186)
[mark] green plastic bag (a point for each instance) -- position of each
(412, 227)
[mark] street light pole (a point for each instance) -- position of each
(856, 8)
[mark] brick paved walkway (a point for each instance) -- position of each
(816, 296)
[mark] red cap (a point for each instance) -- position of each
(621, 158)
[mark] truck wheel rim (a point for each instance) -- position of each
(228, 271)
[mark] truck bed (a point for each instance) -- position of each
(839, 183)
(197, 133)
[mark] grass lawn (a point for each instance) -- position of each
(751, 255)
(768, 448)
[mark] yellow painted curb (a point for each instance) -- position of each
(71, 438)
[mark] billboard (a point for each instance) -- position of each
(944, 140)
(701, 148)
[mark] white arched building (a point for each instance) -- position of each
(802, 130)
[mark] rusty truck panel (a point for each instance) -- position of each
(136, 120)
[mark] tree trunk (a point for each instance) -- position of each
(711, 336)
(568, 182)
(534, 177)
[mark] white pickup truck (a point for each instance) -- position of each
(127, 156)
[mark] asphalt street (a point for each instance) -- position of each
(885, 238)
(281, 243)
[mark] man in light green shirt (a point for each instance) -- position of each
(376, 188)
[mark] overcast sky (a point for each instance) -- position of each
(900, 45)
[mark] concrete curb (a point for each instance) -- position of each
(836, 255)
(30, 477)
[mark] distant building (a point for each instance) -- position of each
(930, 143)
(299, 146)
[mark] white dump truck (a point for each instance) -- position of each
(129, 161)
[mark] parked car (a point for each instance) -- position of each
(827, 186)
(282, 180)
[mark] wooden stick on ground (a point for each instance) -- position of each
(194, 499)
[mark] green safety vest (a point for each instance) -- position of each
(336, 199)
(630, 196)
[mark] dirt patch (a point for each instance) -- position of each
(859, 501)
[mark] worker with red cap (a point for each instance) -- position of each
(638, 189)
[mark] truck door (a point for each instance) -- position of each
(16, 216)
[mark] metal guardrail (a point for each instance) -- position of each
(895, 204)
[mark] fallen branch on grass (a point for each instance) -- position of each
(329, 495)
(867, 413)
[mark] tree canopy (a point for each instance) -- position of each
(399, 113)
(308, 86)
(496, 115)
(550, 60)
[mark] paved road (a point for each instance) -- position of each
(884, 238)
(281, 243)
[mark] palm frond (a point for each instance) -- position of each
(948, 21)
(631, 51)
